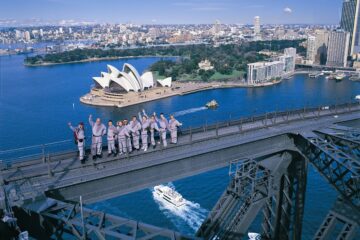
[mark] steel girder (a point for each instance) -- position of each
(348, 139)
(341, 170)
(252, 184)
(284, 211)
(344, 218)
(85, 223)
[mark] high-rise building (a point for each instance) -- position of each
(311, 49)
(350, 23)
(321, 45)
(61, 31)
(18, 34)
(261, 72)
(338, 48)
(257, 30)
(216, 28)
(27, 36)
(70, 30)
(41, 32)
(289, 59)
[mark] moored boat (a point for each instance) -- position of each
(340, 76)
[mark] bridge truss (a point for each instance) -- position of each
(274, 184)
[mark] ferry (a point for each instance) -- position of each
(170, 195)
(355, 77)
(327, 72)
(254, 236)
(315, 74)
(212, 104)
(340, 76)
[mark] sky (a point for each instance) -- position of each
(174, 11)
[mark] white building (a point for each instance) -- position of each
(291, 52)
(262, 72)
(27, 36)
(338, 48)
(127, 80)
(205, 65)
(257, 30)
(311, 49)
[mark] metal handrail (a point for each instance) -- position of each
(43, 149)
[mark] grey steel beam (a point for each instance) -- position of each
(66, 217)
(341, 170)
(341, 214)
(129, 181)
(251, 185)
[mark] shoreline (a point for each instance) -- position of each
(45, 64)
(99, 98)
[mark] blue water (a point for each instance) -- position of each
(36, 104)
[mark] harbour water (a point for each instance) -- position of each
(36, 104)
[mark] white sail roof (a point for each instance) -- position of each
(129, 79)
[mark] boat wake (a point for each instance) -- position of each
(188, 215)
(188, 111)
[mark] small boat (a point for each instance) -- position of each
(212, 104)
(254, 236)
(340, 76)
(327, 72)
(357, 97)
(315, 74)
(169, 195)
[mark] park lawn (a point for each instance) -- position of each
(235, 75)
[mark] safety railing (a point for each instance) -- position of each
(42, 152)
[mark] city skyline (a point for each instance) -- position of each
(68, 12)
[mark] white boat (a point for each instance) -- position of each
(315, 74)
(327, 72)
(170, 195)
(340, 76)
(357, 97)
(212, 104)
(254, 236)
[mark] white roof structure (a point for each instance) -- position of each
(165, 82)
(129, 79)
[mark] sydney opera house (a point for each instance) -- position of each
(127, 80)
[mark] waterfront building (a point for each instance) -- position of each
(127, 80)
(338, 48)
(350, 23)
(262, 72)
(321, 45)
(311, 49)
(289, 63)
(257, 29)
(205, 65)
(291, 52)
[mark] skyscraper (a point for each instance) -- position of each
(338, 48)
(350, 23)
(257, 35)
(27, 36)
(321, 45)
(311, 49)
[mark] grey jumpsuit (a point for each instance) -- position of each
(98, 131)
(163, 125)
(80, 135)
(111, 137)
(128, 138)
(135, 129)
(173, 125)
(123, 134)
